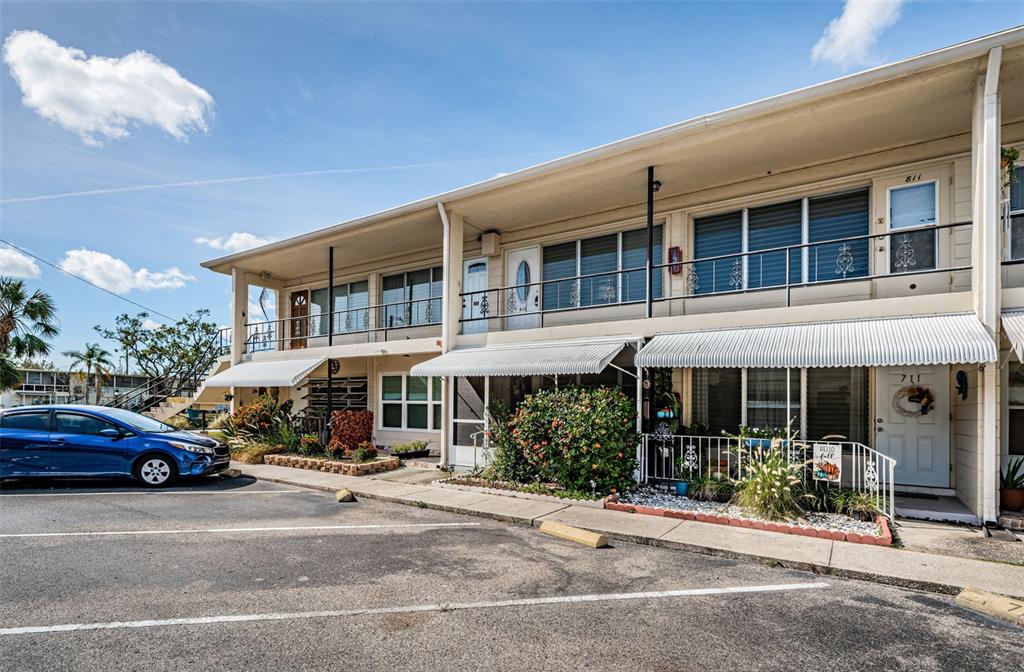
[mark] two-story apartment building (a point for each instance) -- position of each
(842, 258)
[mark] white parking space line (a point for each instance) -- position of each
(229, 530)
(162, 493)
(341, 613)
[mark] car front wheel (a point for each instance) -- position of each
(155, 471)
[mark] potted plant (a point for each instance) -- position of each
(1011, 485)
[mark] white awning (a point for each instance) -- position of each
(1013, 325)
(900, 341)
(278, 373)
(525, 359)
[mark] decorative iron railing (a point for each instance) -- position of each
(672, 457)
(906, 252)
(295, 332)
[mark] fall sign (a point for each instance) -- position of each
(828, 462)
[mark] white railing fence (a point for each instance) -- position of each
(672, 457)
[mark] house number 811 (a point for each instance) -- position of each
(914, 178)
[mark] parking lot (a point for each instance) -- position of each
(237, 574)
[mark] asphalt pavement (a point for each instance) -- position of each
(238, 574)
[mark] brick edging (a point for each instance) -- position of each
(333, 466)
(884, 539)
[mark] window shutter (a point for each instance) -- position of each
(771, 226)
(714, 236)
(833, 217)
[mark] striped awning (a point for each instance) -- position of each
(899, 341)
(526, 359)
(278, 373)
(1013, 325)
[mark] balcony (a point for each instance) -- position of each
(907, 262)
(416, 318)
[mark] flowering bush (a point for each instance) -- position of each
(265, 421)
(579, 438)
(309, 444)
(349, 429)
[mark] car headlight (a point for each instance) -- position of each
(192, 448)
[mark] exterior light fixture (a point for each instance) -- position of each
(656, 185)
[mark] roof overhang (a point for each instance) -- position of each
(900, 341)
(924, 99)
(1013, 325)
(277, 373)
(542, 358)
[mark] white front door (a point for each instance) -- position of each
(919, 443)
(522, 296)
(475, 305)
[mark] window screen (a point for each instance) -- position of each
(837, 404)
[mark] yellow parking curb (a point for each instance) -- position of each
(570, 533)
(1005, 608)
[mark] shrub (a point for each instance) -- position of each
(364, 452)
(408, 447)
(508, 460)
(309, 444)
(576, 437)
(261, 417)
(349, 429)
(220, 422)
(769, 485)
(250, 452)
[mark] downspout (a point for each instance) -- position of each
(448, 383)
(990, 300)
(650, 243)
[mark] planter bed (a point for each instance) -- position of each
(837, 527)
(345, 467)
(412, 454)
(509, 489)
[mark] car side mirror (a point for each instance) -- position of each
(110, 433)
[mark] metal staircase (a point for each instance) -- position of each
(164, 397)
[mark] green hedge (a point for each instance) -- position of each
(570, 436)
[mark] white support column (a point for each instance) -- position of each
(986, 275)
(451, 311)
(239, 313)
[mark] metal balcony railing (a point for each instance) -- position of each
(295, 332)
(906, 252)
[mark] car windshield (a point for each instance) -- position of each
(137, 421)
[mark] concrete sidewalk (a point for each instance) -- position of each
(925, 571)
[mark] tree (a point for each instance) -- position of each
(92, 359)
(27, 323)
(182, 346)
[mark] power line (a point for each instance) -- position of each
(91, 284)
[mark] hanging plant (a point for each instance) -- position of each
(1008, 162)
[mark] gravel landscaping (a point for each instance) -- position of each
(828, 521)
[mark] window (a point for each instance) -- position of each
(1015, 401)
(833, 217)
(73, 423)
(766, 399)
(413, 298)
(603, 258)
(723, 238)
(837, 404)
(410, 402)
(1017, 215)
(836, 400)
(350, 308)
(912, 207)
(716, 399)
(36, 421)
(716, 236)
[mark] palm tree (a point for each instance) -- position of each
(9, 375)
(27, 320)
(92, 359)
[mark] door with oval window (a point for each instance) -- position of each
(522, 294)
(300, 319)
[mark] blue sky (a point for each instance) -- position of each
(469, 90)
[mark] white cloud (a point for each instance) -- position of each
(236, 242)
(98, 97)
(151, 324)
(115, 275)
(849, 39)
(14, 264)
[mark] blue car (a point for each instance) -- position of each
(96, 441)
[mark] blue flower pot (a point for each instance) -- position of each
(682, 487)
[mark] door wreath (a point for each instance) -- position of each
(913, 401)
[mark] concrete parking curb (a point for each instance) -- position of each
(901, 568)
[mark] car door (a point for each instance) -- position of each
(25, 443)
(85, 445)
